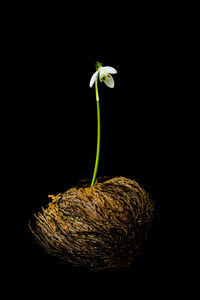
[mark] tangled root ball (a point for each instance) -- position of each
(100, 227)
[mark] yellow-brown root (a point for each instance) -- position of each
(99, 227)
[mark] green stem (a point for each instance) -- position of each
(98, 134)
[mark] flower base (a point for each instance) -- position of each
(100, 227)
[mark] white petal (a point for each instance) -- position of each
(110, 70)
(102, 72)
(93, 78)
(109, 81)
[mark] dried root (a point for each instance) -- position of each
(100, 227)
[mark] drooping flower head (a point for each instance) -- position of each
(104, 75)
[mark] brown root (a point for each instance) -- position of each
(100, 227)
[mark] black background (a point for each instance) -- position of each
(144, 123)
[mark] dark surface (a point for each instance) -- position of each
(144, 133)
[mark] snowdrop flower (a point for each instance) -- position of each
(104, 75)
